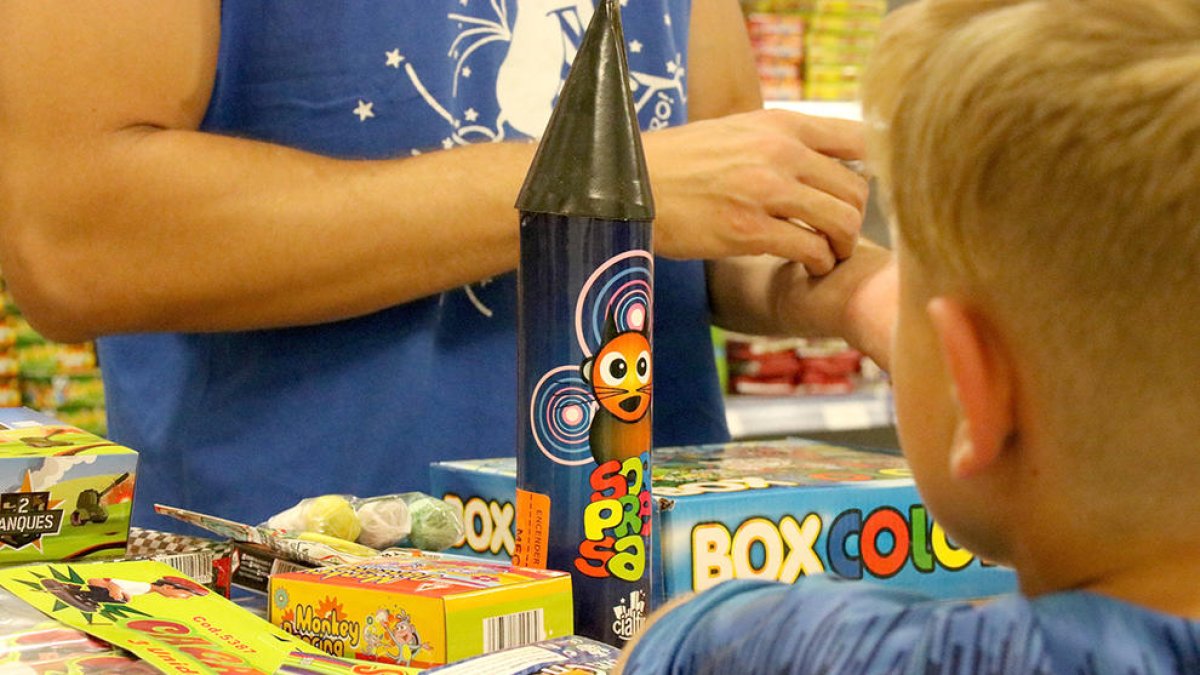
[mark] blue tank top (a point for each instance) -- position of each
(245, 424)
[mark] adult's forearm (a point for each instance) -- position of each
(147, 229)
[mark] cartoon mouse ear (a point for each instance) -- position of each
(610, 327)
(585, 369)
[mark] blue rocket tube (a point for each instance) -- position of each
(586, 382)
(584, 364)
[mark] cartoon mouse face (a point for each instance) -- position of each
(620, 376)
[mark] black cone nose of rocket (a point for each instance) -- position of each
(589, 162)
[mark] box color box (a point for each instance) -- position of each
(65, 494)
(421, 609)
(483, 492)
(762, 509)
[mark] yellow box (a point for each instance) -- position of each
(421, 609)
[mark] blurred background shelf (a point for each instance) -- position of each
(864, 418)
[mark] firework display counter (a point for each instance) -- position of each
(544, 563)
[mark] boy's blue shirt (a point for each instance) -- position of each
(245, 424)
(825, 625)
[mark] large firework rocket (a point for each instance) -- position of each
(584, 360)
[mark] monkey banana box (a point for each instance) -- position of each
(421, 609)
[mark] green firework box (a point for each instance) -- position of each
(65, 494)
(778, 510)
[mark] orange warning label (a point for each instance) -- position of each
(533, 529)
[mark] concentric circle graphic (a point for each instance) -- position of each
(561, 416)
(622, 288)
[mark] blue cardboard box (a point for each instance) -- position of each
(65, 494)
(762, 509)
(483, 492)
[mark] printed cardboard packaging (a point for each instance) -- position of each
(421, 609)
(173, 623)
(65, 494)
(763, 509)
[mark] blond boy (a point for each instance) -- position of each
(1042, 162)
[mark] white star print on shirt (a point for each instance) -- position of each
(635, 47)
(364, 110)
(394, 58)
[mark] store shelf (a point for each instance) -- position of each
(763, 416)
(847, 110)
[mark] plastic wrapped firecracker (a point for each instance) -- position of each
(585, 381)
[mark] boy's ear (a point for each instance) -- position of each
(982, 376)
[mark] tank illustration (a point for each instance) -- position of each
(88, 506)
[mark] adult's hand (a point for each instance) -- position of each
(737, 185)
(763, 295)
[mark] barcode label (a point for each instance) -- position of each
(281, 566)
(197, 564)
(513, 630)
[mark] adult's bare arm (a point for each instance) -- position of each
(117, 215)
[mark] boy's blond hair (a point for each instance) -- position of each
(1043, 158)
